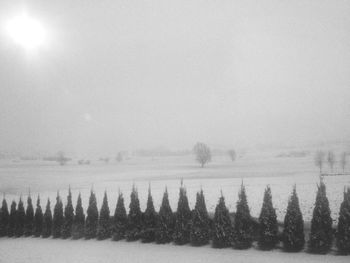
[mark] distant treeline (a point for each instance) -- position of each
(238, 230)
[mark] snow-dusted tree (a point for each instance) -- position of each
(268, 227)
(120, 219)
(343, 230)
(202, 152)
(150, 218)
(321, 235)
(232, 154)
(183, 216)
(12, 219)
(222, 233)
(4, 218)
(28, 226)
(242, 227)
(47, 223)
(343, 161)
(134, 226)
(20, 219)
(331, 160)
(319, 159)
(38, 219)
(166, 220)
(293, 232)
(58, 218)
(200, 229)
(104, 224)
(68, 217)
(79, 220)
(91, 218)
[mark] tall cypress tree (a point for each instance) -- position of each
(321, 235)
(166, 221)
(343, 230)
(68, 217)
(293, 232)
(47, 222)
(38, 219)
(12, 220)
(182, 219)
(222, 232)
(79, 220)
(134, 217)
(200, 229)
(242, 227)
(20, 219)
(28, 227)
(268, 227)
(149, 221)
(4, 218)
(120, 219)
(104, 226)
(91, 218)
(58, 218)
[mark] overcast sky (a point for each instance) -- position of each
(126, 74)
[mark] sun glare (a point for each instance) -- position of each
(26, 31)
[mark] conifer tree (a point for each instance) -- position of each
(79, 220)
(104, 226)
(166, 221)
(20, 219)
(12, 220)
(4, 218)
(58, 218)
(28, 227)
(149, 221)
(200, 229)
(47, 222)
(120, 219)
(343, 230)
(268, 227)
(242, 227)
(38, 219)
(222, 232)
(183, 216)
(293, 232)
(134, 218)
(68, 217)
(91, 218)
(321, 235)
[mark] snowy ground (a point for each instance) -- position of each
(39, 250)
(256, 169)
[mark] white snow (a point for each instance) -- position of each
(37, 250)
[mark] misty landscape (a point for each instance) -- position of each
(197, 125)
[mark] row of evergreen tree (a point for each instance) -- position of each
(184, 226)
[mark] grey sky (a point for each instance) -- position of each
(124, 74)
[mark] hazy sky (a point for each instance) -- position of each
(125, 74)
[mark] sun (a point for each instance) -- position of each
(26, 31)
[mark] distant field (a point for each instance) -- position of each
(256, 169)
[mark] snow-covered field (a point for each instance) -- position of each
(39, 250)
(256, 169)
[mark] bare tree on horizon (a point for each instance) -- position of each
(202, 152)
(343, 160)
(232, 154)
(319, 159)
(331, 160)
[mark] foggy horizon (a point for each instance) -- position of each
(120, 75)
